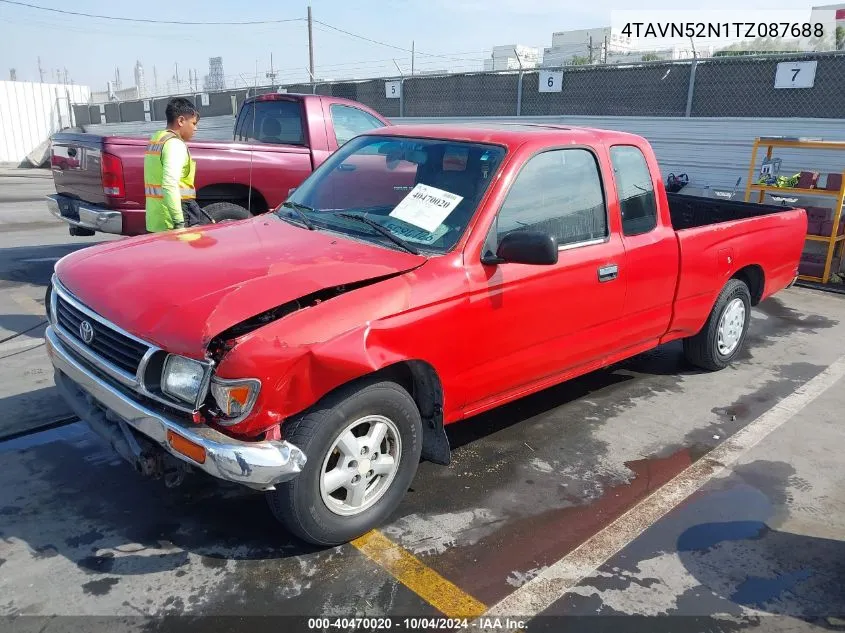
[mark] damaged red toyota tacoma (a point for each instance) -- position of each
(420, 276)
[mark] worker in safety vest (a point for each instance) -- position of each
(169, 171)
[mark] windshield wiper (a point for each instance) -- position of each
(299, 209)
(384, 231)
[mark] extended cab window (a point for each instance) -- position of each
(350, 122)
(558, 192)
(636, 191)
(277, 122)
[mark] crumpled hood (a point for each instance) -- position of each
(181, 288)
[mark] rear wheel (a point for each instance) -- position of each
(363, 445)
(720, 340)
(227, 212)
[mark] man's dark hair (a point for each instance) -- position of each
(179, 106)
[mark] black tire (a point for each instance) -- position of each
(227, 212)
(298, 503)
(702, 350)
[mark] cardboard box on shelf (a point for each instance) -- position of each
(834, 182)
(808, 179)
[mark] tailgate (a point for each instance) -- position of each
(75, 162)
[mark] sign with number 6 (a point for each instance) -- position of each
(551, 81)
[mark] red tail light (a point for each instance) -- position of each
(112, 170)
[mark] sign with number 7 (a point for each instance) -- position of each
(795, 74)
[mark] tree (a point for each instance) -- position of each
(580, 60)
(840, 38)
(759, 45)
(651, 57)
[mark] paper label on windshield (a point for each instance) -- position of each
(426, 207)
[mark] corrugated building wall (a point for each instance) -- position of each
(30, 112)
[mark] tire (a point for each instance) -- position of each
(704, 350)
(305, 507)
(227, 212)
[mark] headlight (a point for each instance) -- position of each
(182, 378)
(234, 397)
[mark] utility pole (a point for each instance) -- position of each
(196, 80)
(310, 45)
(272, 74)
(177, 76)
(412, 58)
(605, 49)
(591, 49)
(40, 71)
(155, 80)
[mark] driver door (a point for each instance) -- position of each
(532, 324)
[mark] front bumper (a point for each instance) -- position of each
(258, 465)
(84, 215)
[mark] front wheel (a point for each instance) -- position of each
(363, 446)
(720, 340)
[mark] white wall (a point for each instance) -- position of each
(31, 112)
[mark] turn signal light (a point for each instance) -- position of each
(186, 447)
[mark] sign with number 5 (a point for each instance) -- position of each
(551, 80)
(392, 89)
(795, 74)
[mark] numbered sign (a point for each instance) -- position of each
(204, 98)
(795, 75)
(392, 89)
(551, 80)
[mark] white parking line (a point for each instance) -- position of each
(547, 587)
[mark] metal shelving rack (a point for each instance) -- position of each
(834, 240)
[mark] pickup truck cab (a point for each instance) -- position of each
(278, 141)
(421, 275)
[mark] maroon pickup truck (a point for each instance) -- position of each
(279, 139)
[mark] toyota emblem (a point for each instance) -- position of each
(86, 332)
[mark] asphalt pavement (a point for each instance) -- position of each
(31, 242)
(647, 497)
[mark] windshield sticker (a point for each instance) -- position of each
(412, 234)
(426, 207)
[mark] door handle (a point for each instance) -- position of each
(608, 273)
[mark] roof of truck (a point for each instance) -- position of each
(509, 134)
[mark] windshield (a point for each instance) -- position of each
(424, 191)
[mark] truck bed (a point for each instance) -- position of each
(717, 239)
(689, 212)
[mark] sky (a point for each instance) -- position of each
(447, 34)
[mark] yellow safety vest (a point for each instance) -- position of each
(159, 217)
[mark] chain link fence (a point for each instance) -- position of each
(730, 86)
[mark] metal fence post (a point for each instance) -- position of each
(519, 95)
(402, 97)
(691, 90)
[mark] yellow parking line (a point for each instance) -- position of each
(443, 595)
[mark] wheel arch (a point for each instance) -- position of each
(753, 277)
(233, 192)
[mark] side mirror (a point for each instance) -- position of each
(526, 247)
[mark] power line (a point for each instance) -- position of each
(149, 21)
(380, 43)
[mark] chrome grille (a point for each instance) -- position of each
(112, 346)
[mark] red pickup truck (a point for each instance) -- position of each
(421, 275)
(278, 141)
